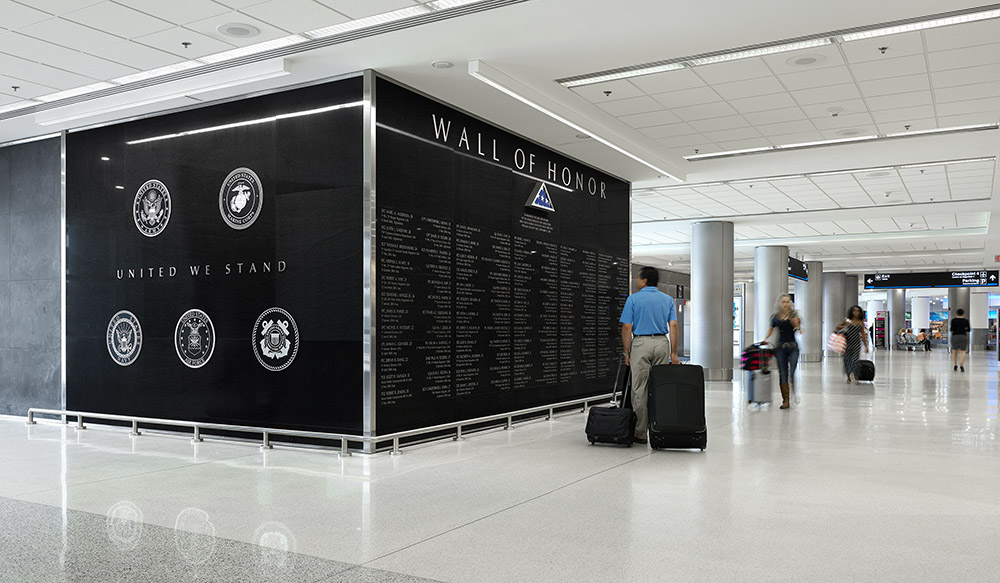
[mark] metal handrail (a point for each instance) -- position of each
(344, 438)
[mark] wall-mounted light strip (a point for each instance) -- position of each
(921, 25)
(247, 122)
(475, 72)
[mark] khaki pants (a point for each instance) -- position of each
(646, 351)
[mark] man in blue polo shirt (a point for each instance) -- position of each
(647, 316)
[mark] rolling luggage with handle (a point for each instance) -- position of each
(615, 424)
(677, 407)
(864, 370)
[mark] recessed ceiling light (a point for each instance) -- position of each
(849, 132)
(583, 136)
(878, 174)
(805, 60)
(238, 30)
(442, 64)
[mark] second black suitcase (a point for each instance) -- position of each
(614, 424)
(676, 405)
(864, 370)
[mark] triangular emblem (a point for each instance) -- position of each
(540, 199)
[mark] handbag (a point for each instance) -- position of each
(836, 342)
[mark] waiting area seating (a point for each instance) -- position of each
(907, 341)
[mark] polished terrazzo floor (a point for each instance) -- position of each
(898, 480)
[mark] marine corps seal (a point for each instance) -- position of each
(275, 339)
(124, 338)
(194, 338)
(241, 198)
(151, 209)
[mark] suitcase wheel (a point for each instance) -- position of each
(591, 442)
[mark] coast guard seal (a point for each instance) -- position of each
(194, 338)
(151, 209)
(275, 339)
(241, 198)
(124, 338)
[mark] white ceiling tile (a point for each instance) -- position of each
(687, 97)
(797, 138)
(788, 127)
(967, 92)
(826, 56)
(972, 106)
(179, 11)
(705, 111)
(210, 28)
(702, 148)
(668, 130)
(720, 123)
(900, 125)
(652, 118)
(885, 68)
(900, 100)
(816, 78)
(745, 144)
(694, 140)
(60, 7)
(729, 71)
(895, 85)
(26, 89)
(749, 88)
(966, 76)
(775, 116)
(50, 77)
(32, 49)
(69, 34)
(363, 8)
(619, 88)
(170, 41)
(826, 94)
(967, 57)
(854, 130)
(240, 4)
(118, 20)
(10, 63)
(963, 35)
(729, 135)
(842, 107)
(899, 45)
(668, 81)
(642, 104)
(15, 15)
(843, 121)
(296, 15)
(135, 55)
(950, 121)
(763, 103)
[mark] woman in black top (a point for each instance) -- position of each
(787, 321)
(853, 330)
(959, 338)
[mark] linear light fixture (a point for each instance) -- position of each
(222, 80)
(253, 49)
(949, 162)
(600, 78)
(247, 122)
(374, 20)
(475, 67)
(980, 126)
(922, 25)
(760, 52)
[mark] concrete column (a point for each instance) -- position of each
(850, 291)
(809, 303)
(711, 312)
(770, 278)
(897, 315)
(979, 319)
(874, 306)
(920, 314)
(834, 309)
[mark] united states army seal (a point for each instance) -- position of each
(241, 198)
(194, 338)
(151, 209)
(275, 339)
(124, 338)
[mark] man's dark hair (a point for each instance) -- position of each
(960, 311)
(651, 275)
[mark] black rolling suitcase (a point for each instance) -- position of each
(864, 370)
(677, 407)
(615, 424)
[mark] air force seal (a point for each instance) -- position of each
(194, 338)
(151, 209)
(124, 338)
(241, 198)
(275, 339)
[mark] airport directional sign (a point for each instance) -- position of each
(798, 269)
(972, 278)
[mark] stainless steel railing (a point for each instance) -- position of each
(344, 438)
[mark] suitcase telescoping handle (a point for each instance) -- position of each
(626, 382)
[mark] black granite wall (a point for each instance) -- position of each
(30, 214)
